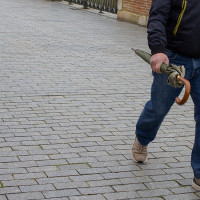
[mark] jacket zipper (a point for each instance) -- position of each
(184, 4)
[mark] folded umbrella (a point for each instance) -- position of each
(175, 75)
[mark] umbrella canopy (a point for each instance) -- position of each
(172, 71)
(175, 75)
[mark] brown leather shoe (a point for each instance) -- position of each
(196, 183)
(139, 152)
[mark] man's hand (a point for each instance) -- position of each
(157, 60)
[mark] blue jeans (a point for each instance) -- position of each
(163, 97)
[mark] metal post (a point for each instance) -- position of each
(101, 7)
(85, 4)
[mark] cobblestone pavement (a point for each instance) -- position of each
(71, 91)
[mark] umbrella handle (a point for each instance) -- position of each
(187, 90)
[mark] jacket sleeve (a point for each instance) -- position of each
(156, 28)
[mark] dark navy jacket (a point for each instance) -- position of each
(175, 24)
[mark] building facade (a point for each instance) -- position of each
(135, 11)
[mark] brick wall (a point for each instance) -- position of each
(140, 7)
(135, 11)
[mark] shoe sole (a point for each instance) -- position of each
(139, 161)
(195, 186)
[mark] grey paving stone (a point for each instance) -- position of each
(99, 148)
(110, 158)
(93, 154)
(105, 164)
(129, 187)
(149, 172)
(142, 179)
(177, 149)
(190, 196)
(53, 180)
(37, 188)
(184, 158)
(72, 150)
(154, 198)
(96, 190)
(8, 159)
(30, 175)
(42, 169)
(110, 182)
(11, 155)
(35, 143)
(83, 144)
(18, 164)
(88, 197)
(118, 175)
(61, 173)
(124, 168)
(19, 182)
(154, 193)
(68, 184)
(162, 160)
(63, 198)
(178, 170)
(35, 157)
(61, 193)
(93, 171)
(86, 178)
(186, 189)
(26, 196)
(74, 166)
(166, 154)
(13, 171)
(64, 156)
(40, 151)
(179, 164)
(6, 177)
(8, 190)
(187, 175)
(168, 177)
(82, 160)
(71, 92)
(8, 144)
(154, 166)
(3, 197)
(162, 184)
(121, 195)
(184, 182)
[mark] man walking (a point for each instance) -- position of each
(173, 37)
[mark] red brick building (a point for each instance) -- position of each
(135, 11)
